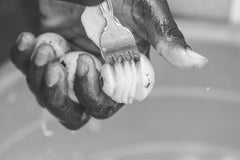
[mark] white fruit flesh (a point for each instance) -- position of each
(58, 43)
(148, 77)
(128, 77)
(107, 77)
(70, 63)
(138, 90)
(123, 82)
(119, 72)
(133, 81)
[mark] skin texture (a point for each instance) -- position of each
(151, 23)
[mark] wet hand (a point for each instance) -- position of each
(152, 24)
(47, 79)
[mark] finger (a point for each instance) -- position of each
(88, 90)
(181, 56)
(55, 97)
(153, 21)
(170, 42)
(22, 50)
(41, 57)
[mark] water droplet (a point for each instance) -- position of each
(44, 127)
(45, 130)
(208, 89)
(94, 126)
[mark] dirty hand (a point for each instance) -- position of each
(149, 20)
(151, 23)
(47, 79)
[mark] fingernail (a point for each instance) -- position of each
(53, 76)
(43, 56)
(82, 67)
(194, 55)
(25, 40)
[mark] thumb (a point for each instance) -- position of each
(181, 55)
(170, 42)
(89, 92)
(153, 21)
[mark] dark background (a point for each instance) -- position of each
(16, 16)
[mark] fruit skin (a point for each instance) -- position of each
(127, 81)
(59, 44)
(69, 61)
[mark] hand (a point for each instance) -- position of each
(47, 79)
(151, 24)
(150, 21)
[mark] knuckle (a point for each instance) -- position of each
(103, 111)
(73, 126)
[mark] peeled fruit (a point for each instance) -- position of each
(127, 81)
(59, 44)
(69, 61)
(124, 81)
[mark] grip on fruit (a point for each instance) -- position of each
(127, 81)
(57, 42)
(124, 82)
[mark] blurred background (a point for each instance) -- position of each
(188, 116)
